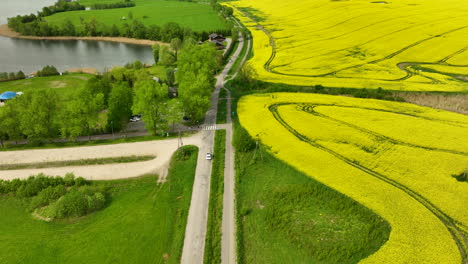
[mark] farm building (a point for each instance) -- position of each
(216, 37)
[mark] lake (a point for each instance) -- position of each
(32, 55)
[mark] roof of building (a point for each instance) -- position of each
(7, 95)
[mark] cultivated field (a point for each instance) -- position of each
(396, 159)
(198, 17)
(399, 45)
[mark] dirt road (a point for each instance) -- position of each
(195, 233)
(162, 149)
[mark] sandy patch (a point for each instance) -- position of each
(162, 149)
(5, 31)
(83, 70)
(57, 84)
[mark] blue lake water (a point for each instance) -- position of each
(31, 55)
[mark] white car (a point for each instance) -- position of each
(209, 156)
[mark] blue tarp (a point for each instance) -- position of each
(7, 95)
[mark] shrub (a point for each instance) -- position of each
(69, 179)
(242, 141)
(80, 181)
(47, 196)
(77, 202)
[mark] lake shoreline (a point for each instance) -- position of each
(5, 31)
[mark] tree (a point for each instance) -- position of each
(120, 106)
(170, 76)
(156, 51)
(114, 31)
(176, 45)
(37, 114)
(69, 28)
(150, 102)
(174, 112)
(20, 75)
(137, 65)
(166, 57)
(11, 121)
(82, 114)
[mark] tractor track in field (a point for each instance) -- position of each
(402, 66)
(458, 230)
(310, 109)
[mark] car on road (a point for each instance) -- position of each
(135, 118)
(209, 156)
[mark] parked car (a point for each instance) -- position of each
(135, 118)
(209, 156)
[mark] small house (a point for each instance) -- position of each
(216, 37)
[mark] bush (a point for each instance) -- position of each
(242, 141)
(78, 202)
(47, 196)
(185, 152)
(69, 179)
(80, 181)
(47, 71)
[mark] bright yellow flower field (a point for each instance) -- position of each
(397, 159)
(399, 44)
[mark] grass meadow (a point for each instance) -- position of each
(197, 16)
(285, 216)
(64, 85)
(143, 223)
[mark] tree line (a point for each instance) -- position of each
(123, 4)
(5, 76)
(35, 25)
(107, 101)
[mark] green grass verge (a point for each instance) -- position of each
(82, 162)
(46, 145)
(144, 223)
(222, 107)
(284, 216)
(236, 64)
(215, 211)
(64, 85)
(198, 17)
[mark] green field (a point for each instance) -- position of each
(144, 223)
(286, 217)
(198, 17)
(65, 85)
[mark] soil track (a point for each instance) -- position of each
(162, 149)
(458, 231)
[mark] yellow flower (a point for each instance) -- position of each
(395, 158)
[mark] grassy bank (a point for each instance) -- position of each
(83, 162)
(143, 223)
(285, 216)
(46, 145)
(222, 107)
(215, 211)
(64, 85)
(198, 17)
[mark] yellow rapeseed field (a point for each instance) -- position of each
(397, 159)
(398, 44)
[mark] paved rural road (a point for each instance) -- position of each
(195, 233)
(162, 149)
